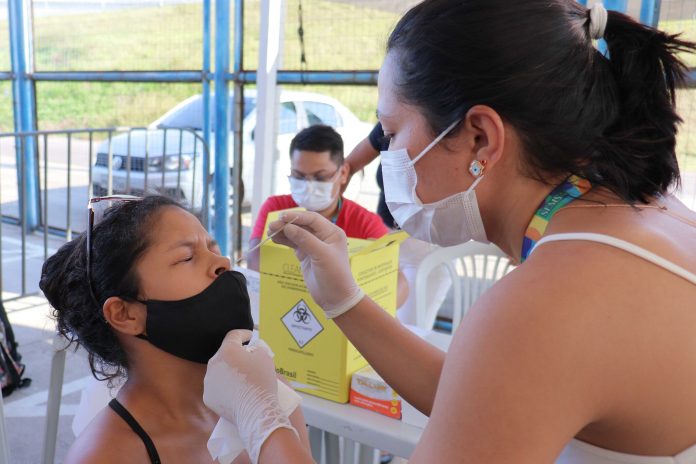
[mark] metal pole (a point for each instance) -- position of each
(193, 174)
(23, 187)
(163, 190)
(24, 104)
(4, 448)
(55, 392)
(616, 5)
(238, 126)
(90, 164)
(650, 12)
(205, 217)
(265, 132)
(146, 167)
(68, 227)
(222, 173)
(45, 196)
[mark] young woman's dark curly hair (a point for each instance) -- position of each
(118, 241)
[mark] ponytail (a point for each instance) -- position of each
(635, 156)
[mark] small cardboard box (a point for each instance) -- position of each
(368, 390)
(310, 350)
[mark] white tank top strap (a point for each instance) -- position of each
(623, 245)
(579, 452)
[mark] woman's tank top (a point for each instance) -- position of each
(130, 420)
(578, 452)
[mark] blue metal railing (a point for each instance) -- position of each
(79, 163)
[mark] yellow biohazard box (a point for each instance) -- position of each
(310, 350)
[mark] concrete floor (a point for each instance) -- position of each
(25, 409)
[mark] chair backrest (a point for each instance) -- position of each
(4, 450)
(473, 268)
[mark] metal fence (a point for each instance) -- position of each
(73, 165)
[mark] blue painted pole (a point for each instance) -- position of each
(583, 2)
(222, 168)
(650, 12)
(206, 114)
(24, 104)
(238, 121)
(616, 5)
(120, 76)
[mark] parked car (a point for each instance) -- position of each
(173, 156)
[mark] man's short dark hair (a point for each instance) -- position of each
(319, 138)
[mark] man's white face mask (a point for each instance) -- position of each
(312, 195)
(448, 222)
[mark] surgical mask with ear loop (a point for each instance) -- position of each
(312, 195)
(448, 222)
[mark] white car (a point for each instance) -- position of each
(179, 172)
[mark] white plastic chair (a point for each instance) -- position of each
(55, 391)
(4, 449)
(473, 268)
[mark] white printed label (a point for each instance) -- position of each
(302, 324)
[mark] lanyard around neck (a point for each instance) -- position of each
(334, 218)
(571, 189)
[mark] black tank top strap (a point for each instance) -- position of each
(133, 424)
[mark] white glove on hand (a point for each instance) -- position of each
(322, 249)
(241, 386)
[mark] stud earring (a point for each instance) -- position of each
(476, 168)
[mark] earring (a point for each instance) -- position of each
(476, 168)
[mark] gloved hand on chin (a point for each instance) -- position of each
(241, 386)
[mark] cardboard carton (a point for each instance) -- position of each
(368, 390)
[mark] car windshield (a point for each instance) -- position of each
(191, 115)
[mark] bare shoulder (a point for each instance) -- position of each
(519, 379)
(107, 440)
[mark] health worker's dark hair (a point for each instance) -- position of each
(319, 138)
(610, 119)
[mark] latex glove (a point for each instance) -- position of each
(321, 247)
(240, 385)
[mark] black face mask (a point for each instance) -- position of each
(194, 328)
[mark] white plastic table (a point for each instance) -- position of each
(360, 425)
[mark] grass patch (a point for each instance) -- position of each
(686, 140)
(5, 106)
(337, 36)
(97, 104)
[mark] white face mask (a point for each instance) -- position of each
(311, 194)
(450, 221)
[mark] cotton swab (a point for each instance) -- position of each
(243, 258)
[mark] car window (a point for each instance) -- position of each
(322, 113)
(287, 119)
(191, 115)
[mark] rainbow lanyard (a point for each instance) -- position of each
(571, 189)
